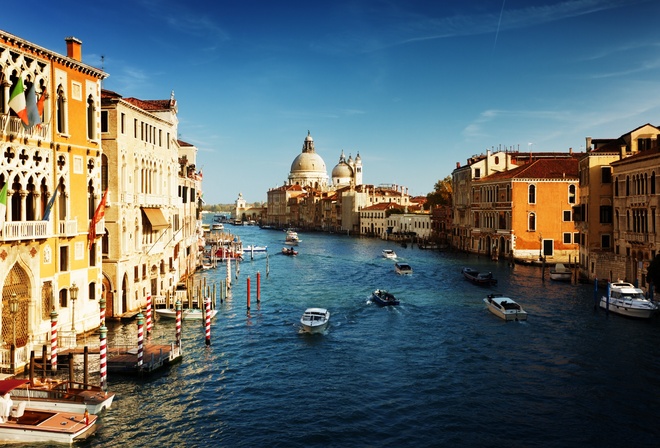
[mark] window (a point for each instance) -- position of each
(605, 174)
(606, 214)
(92, 291)
(531, 194)
(64, 258)
(477, 173)
(605, 241)
(122, 122)
(567, 216)
(104, 121)
(568, 237)
(60, 111)
(653, 182)
(571, 194)
(531, 223)
(63, 297)
(91, 115)
(576, 237)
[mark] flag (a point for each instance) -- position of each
(3, 205)
(98, 215)
(40, 103)
(49, 206)
(17, 101)
(33, 115)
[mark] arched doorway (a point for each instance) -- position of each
(108, 296)
(124, 294)
(17, 285)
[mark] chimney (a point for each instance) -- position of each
(588, 144)
(74, 48)
(458, 164)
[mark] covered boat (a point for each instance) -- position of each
(403, 268)
(561, 273)
(479, 278)
(65, 396)
(315, 320)
(627, 300)
(505, 307)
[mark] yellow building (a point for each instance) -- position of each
(48, 263)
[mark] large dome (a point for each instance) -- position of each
(308, 161)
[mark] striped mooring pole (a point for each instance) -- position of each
(53, 340)
(140, 353)
(208, 320)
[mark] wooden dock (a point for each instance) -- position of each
(154, 357)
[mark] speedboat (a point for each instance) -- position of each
(389, 253)
(289, 251)
(505, 307)
(402, 268)
(291, 238)
(384, 298)
(65, 396)
(561, 273)
(479, 278)
(315, 320)
(251, 248)
(627, 300)
(20, 422)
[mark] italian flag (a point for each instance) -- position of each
(17, 101)
(3, 206)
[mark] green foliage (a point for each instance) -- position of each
(441, 194)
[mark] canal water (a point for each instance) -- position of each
(437, 370)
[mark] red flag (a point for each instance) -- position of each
(98, 215)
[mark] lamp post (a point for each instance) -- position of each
(13, 309)
(73, 291)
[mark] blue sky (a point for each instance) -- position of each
(412, 86)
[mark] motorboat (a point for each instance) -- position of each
(289, 251)
(315, 320)
(479, 278)
(217, 226)
(251, 248)
(186, 313)
(384, 298)
(389, 253)
(505, 307)
(291, 238)
(66, 396)
(627, 300)
(20, 422)
(403, 268)
(561, 273)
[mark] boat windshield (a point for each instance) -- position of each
(633, 295)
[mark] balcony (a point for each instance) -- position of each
(636, 237)
(13, 126)
(25, 230)
(68, 228)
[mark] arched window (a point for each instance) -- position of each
(616, 187)
(653, 182)
(532, 194)
(91, 122)
(60, 111)
(531, 224)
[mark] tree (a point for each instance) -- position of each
(441, 194)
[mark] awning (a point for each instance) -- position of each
(156, 218)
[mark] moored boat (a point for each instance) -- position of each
(20, 422)
(403, 268)
(627, 300)
(479, 278)
(505, 307)
(315, 320)
(64, 396)
(384, 298)
(560, 273)
(186, 314)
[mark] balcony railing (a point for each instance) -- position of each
(25, 230)
(14, 126)
(68, 228)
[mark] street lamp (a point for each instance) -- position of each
(13, 309)
(73, 290)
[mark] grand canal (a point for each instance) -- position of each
(438, 370)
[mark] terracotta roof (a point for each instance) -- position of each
(540, 169)
(382, 206)
(150, 104)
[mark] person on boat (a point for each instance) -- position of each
(5, 407)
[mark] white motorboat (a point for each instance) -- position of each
(627, 300)
(505, 307)
(389, 253)
(217, 226)
(186, 314)
(251, 248)
(63, 396)
(315, 320)
(561, 273)
(20, 422)
(403, 268)
(291, 237)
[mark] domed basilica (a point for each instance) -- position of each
(308, 169)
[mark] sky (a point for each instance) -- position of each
(412, 86)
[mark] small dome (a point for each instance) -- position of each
(342, 170)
